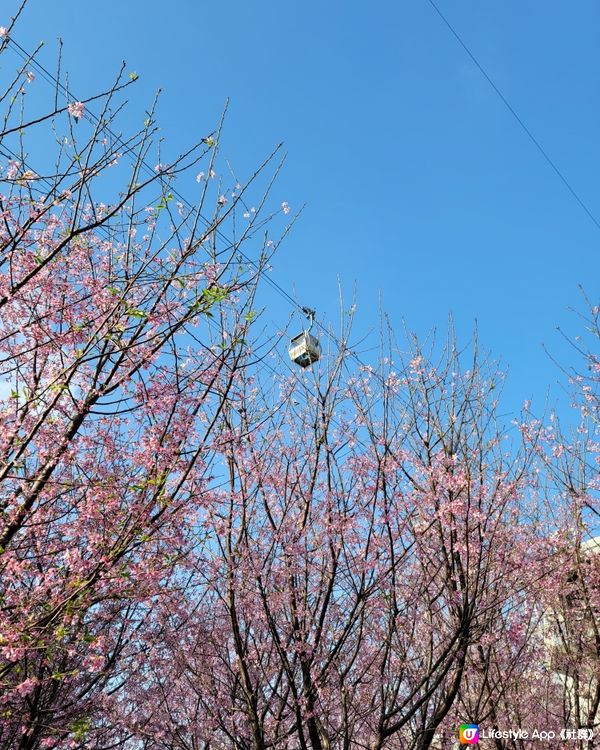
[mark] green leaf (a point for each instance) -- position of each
(214, 294)
(80, 727)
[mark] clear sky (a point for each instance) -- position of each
(420, 186)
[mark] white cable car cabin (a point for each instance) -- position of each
(305, 348)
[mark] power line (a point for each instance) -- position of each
(513, 112)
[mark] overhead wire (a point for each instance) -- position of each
(515, 114)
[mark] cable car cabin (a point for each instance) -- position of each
(305, 349)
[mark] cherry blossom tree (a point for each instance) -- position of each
(545, 667)
(363, 561)
(125, 318)
(381, 566)
(571, 458)
(199, 550)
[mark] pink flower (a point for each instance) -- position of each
(12, 653)
(13, 168)
(285, 207)
(3, 32)
(76, 109)
(30, 76)
(26, 686)
(199, 176)
(222, 200)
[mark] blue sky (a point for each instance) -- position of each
(420, 186)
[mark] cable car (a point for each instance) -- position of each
(305, 349)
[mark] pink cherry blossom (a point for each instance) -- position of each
(13, 167)
(76, 109)
(26, 687)
(196, 551)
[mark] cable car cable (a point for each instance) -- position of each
(514, 113)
